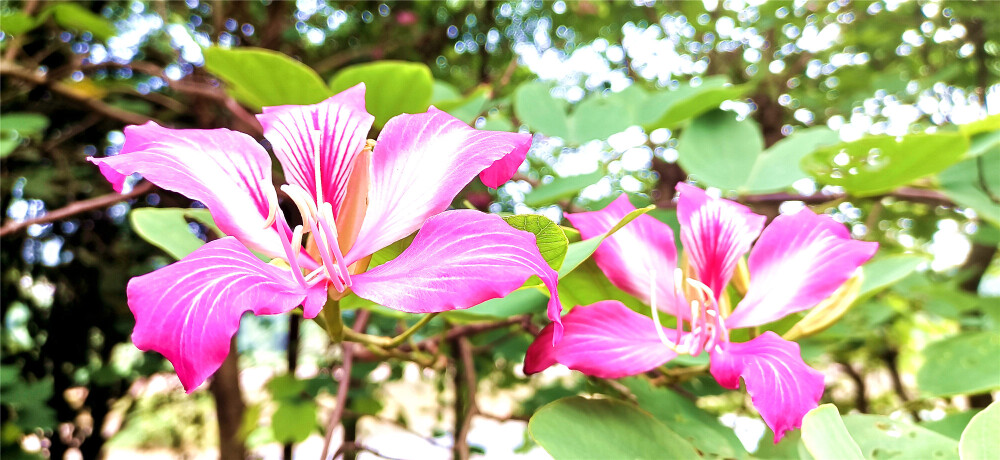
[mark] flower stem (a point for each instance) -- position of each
(385, 342)
(334, 323)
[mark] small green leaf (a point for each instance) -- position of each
(962, 364)
(550, 238)
(24, 123)
(293, 422)
(597, 117)
(261, 78)
(561, 188)
(687, 102)
(880, 437)
(604, 428)
(826, 437)
(587, 284)
(877, 164)
(975, 183)
(166, 229)
(522, 301)
(579, 252)
(18, 23)
(884, 271)
(73, 16)
(469, 107)
(719, 150)
(979, 440)
(952, 425)
(392, 87)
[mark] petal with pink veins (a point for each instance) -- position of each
(716, 233)
(634, 253)
(457, 260)
(605, 339)
(226, 170)
(335, 130)
(783, 388)
(799, 260)
(419, 164)
(189, 311)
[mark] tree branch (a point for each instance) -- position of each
(78, 207)
(345, 382)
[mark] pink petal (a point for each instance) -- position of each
(503, 169)
(715, 233)
(226, 170)
(188, 311)
(605, 339)
(783, 388)
(799, 260)
(420, 163)
(639, 249)
(457, 260)
(334, 129)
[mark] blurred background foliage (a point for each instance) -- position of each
(883, 114)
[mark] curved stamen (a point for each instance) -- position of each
(324, 253)
(302, 201)
(289, 251)
(334, 245)
(656, 313)
(318, 176)
(272, 202)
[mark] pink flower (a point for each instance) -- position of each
(354, 197)
(799, 260)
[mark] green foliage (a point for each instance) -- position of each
(393, 87)
(777, 168)
(878, 164)
(825, 436)
(961, 364)
(604, 428)
(168, 228)
(880, 437)
(561, 188)
(263, 78)
(582, 250)
(17, 127)
(719, 150)
(975, 183)
(979, 440)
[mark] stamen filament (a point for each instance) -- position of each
(289, 252)
(324, 253)
(334, 246)
(302, 201)
(318, 176)
(272, 202)
(656, 313)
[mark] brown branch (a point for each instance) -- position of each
(916, 195)
(344, 385)
(451, 334)
(465, 396)
(77, 208)
(21, 73)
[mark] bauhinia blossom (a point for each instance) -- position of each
(799, 260)
(354, 196)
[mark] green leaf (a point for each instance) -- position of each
(720, 151)
(392, 87)
(604, 428)
(826, 437)
(880, 437)
(952, 425)
(588, 284)
(979, 440)
(878, 164)
(73, 16)
(689, 101)
(535, 107)
(778, 167)
(597, 117)
(579, 252)
(561, 188)
(498, 122)
(261, 78)
(18, 23)
(681, 415)
(975, 183)
(962, 364)
(469, 107)
(884, 271)
(522, 301)
(167, 229)
(24, 123)
(549, 237)
(293, 422)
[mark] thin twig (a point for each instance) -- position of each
(78, 207)
(21, 73)
(345, 383)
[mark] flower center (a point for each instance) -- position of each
(705, 326)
